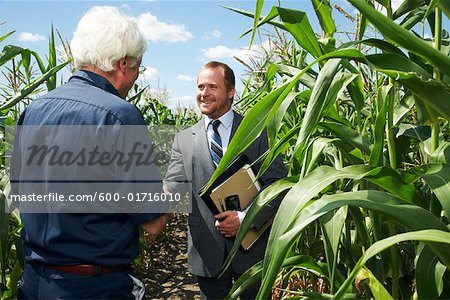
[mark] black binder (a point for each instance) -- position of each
(233, 168)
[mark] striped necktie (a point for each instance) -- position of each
(216, 143)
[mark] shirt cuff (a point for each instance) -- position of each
(241, 215)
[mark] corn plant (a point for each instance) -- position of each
(364, 129)
(11, 257)
(22, 82)
(156, 112)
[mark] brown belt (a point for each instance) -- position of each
(88, 270)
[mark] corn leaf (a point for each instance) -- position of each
(31, 87)
(3, 37)
(262, 200)
(356, 92)
(429, 272)
(406, 6)
(410, 216)
(412, 19)
(51, 82)
(4, 226)
(250, 277)
(441, 154)
(41, 65)
(275, 123)
(378, 291)
(323, 12)
(431, 235)
(347, 134)
(278, 148)
(332, 228)
(385, 3)
(8, 53)
(310, 186)
(26, 61)
(383, 45)
(297, 24)
(317, 105)
(444, 5)
(313, 152)
(433, 93)
(403, 37)
(437, 176)
(263, 20)
(14, 277)
(258, 9)
(402, 108)
(376, 155)
(304, 262)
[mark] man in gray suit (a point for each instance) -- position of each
(196, 152)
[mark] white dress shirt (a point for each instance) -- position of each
(224, 129)
(226, 122)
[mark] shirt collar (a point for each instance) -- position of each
(226, 119)
(96, 80)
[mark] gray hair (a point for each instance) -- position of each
(103, 36)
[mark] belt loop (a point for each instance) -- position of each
(97, 271)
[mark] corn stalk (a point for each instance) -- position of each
(363, 163)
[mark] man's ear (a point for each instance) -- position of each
(122, 64)
(231, 93)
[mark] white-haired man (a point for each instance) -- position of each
(86, 255)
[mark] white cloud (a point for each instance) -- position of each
(30, 37)
(125, 6)
(244, 53)
(151, 73)
(184, 77)
(216, 34)
(212, 35)
(222, 51)
(157, 31)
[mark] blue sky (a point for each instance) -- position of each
(182, 35)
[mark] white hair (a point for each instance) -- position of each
(103, 36)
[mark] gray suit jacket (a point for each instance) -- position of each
(191, 162)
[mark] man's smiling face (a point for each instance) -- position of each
(213, 99)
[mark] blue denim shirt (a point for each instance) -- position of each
(66, 238)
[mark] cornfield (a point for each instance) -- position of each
(363, 126)
(364, 130)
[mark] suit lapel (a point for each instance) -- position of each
(201, 157)
(236, 122)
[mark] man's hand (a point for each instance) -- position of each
(229, 224)
(155, 226)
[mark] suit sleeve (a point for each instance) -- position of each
(176, 180)
(275, 172)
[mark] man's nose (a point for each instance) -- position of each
(205, 92)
